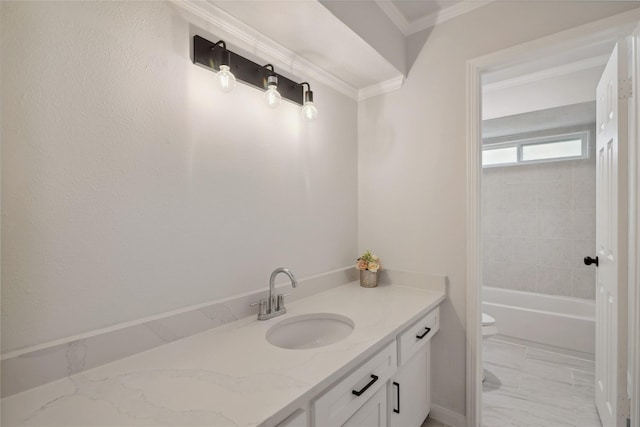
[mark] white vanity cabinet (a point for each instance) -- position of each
(372, 414)
(348, 401)
(410, 392)
(392, 388)
(410, 388)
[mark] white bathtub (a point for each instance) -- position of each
(558, 321)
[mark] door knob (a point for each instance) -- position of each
(588, 260)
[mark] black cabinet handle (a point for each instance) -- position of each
(424, 335)
(374, 378)
(588, 260)
(397, 411)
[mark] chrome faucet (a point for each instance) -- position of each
(274, 305)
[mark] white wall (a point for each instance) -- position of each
(130, 187)
(551, 92)
(411, 159)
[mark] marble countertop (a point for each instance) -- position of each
(227, 376)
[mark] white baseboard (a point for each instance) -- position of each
(447, 416)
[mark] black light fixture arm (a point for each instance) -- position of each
(213, 55)
(308, 94)
(272, 77)
(225, 58)
(220, 43)
(305, 83)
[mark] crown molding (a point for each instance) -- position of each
(411, 27)
(236, 32)
(380, 88)
(446, 14)
(393, 13)
(547, 73)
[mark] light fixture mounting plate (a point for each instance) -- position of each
(209, 55)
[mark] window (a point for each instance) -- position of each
(499, 156)
(559, 147)
(552, 150)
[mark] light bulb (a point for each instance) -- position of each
(226, 79)
(272, 96)
(309, 111)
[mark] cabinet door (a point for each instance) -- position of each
(371, 414)
(410, 391)
(340, 402)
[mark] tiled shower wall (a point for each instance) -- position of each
(538, 223)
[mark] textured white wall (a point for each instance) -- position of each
(131, 187)
(412, 159)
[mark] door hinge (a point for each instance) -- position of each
(625, 89)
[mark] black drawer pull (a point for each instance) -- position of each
(374, 378)
(397, 411)
(425, 334)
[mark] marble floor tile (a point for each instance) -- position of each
(528, 387)
(588, 420)
(584, 383)
(546, 391)
(587, 414)
(505, 410)
(560, 359)
(504, 354)
(498, 376)
(430, 422)
(548, 370)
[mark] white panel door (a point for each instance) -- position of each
(611, 241)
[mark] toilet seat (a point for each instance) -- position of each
(488, 326)
(488, 320)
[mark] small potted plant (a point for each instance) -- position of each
(368, 264)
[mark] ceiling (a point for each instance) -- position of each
(309, 31)
(413, 10)
(534, 121)
(412, 16)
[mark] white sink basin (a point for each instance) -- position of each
(310, 331)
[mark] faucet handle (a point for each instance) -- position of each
(280, 305)
(263, 306)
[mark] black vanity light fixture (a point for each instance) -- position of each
(272, 97)
(308, 110)
(226, 79)
(230, 66)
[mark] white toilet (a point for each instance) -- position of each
(488, 330)
(488, 326)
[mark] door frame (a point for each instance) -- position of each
(611, 28)
(633, 382)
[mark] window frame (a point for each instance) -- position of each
(583, 136)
